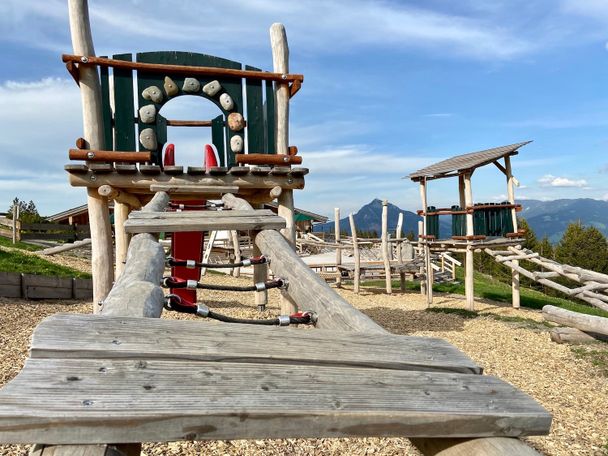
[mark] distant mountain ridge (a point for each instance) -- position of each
(548, 218)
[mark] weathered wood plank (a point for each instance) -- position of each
(96, 401)
(46, 287)
(191, 189)
(86, 336)
(185, 223)
(201, 214)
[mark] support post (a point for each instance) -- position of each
(422, 251)
(399, 236)
(353, 230)
(427, 248)
(385, 257)
(90, 91)
(338, 249)
(234, 235)
(280, 61)
(469, 279)
(121, 238)
(16, 224)
(260, 271)
(511, 197)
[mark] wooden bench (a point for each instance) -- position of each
(95, 379)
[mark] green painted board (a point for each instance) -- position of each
(124, 126)
(232, 86)
(270, 118)
(255, 115)
(217, 137)
(106, 109)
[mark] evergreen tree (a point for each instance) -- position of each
(28, 213)
(531, 241)
(585, 247)
(545, 248)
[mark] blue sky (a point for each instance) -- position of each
(390, 87)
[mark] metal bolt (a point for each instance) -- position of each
(91, 155)
(84, 59)
(87, 402)
(289, 180)
(100, 303)
(93, 177)
(283, 76)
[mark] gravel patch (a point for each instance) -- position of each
(519, 352)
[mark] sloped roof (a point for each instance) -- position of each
(454, 165)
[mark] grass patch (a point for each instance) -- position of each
(5, 242)
(489, 288)
(597, 357)
(13, 261)
(467, 314)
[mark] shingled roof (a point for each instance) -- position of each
(454, 165)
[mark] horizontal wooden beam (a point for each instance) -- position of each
(109, 156)
(182, 69)
(195, 189)
(189, 123)
(268, 159)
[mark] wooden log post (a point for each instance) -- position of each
(422, 251)
(586, 323)
(280, 60)
(469, 284)
(260, 271)
(16, 227)
(398, 237)
(511, 198)
(65, 247)
(384, 245)
(236, 245)
(356, 254)
(338, 249)
(427, 248)
(93, 128)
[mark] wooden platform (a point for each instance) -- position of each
(94, 379)
(156, 222)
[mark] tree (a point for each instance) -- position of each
(531, 241)
(545, 248)
(28, 213)
(585, 247)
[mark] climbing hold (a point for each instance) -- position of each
(147, 138)
(152, 93)
(226, 102)
(191, 85)
(170, 87)
(236, 144)
(236, 121)
(211, 88)
(147, 114)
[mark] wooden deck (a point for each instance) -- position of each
(94, 379)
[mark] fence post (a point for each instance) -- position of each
(16, 225)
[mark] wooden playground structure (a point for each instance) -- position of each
(123, 376)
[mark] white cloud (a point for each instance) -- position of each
(549, 180)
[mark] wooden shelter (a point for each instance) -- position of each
(474, 226)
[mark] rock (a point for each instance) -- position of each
(236, 144)
(147, 138)
(147, 114)
(152, 93)
(211, 88)
(226, 102)
(236, 121)
(171, 88)
(191, 85)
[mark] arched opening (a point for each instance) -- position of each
(189, 140)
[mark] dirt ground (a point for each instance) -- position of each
(519, 352)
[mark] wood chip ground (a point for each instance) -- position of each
(572, 389)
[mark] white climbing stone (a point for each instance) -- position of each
(147, 138)
(191, 85)
(236, 121)
(226, 101)
(171, 88)
(152, 93)
(211, 88)
(147, 114)
(236, 144)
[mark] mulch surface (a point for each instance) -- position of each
(521, 353)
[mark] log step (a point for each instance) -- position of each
(137, 394)
(156, 222)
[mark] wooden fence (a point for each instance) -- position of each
(19, 231)
(32, 286)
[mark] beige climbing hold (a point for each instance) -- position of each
(236, 144)
(236, 121)
(226, 102)
(147, 114)
(152, 93)
(212, 88)
(147, 138)
(191, 85)
(171, 88)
